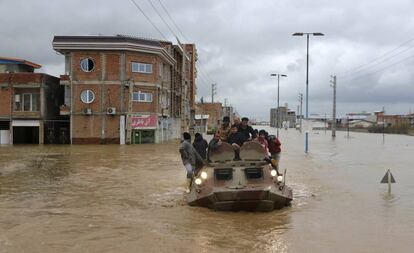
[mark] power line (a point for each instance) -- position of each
(172, 20)
(388, 66)
(377, 58)
(201, 71)
(204, 76)
(149, 20)
(384, 60)
(163, 20)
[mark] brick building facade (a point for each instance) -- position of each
(29, 105)
(124, 89)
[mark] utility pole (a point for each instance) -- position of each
(383, 124)
(202, 115)
(297, 114)
(213, 91)
(333, 85)
(278, 106)
(129, 114)
(300, 113)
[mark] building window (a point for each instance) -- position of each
(141, 67)
(87, 96)
(142, 97)
(27, 102)
(87, 64)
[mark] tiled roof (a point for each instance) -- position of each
(7, 60)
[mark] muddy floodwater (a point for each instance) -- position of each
(111, 198)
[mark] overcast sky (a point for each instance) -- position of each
(368, 44)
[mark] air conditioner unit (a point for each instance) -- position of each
(17, 98)
(87, 111)
(111, 110)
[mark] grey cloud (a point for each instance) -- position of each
(241, 42)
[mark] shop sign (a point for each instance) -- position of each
(144, 122)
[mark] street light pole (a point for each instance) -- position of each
(307, 75)
(333, 85)
(278, 109)
(307, 78)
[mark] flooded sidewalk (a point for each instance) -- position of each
(111, 198)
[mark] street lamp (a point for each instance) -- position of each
(307, 65)
(278, 110)
(307, 79)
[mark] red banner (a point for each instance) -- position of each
(144, 122)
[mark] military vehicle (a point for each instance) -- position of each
(248, 182)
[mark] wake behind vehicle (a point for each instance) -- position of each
(249, 183)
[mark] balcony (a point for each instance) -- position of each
(64, 110)
(64, 80)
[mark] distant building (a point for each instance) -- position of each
(215, 112)
(229, 112)
(122, 89)
(392, 120)
(359, 120)
(29, 105)
(282, 116)
(411, 118)
(201, 123)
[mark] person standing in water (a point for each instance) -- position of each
(191, 159)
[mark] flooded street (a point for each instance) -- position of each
(111, 198)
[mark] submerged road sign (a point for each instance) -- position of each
(388, 179)
(384, 180)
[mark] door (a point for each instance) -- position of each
(136, 137)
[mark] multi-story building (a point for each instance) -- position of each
(29, 105)
(282, 117)
(123, 89)
(191, 75)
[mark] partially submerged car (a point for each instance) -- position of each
(248, 183)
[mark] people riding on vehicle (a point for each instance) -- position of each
(200, 145)
(274, 147)
(224, 129)
(237, 121)
(191, 159)
(213, 144)
(246, 130)
(236, 139)
(256, 132)
(262, 140)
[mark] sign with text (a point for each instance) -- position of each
(144, 122)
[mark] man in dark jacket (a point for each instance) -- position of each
(246, 130)
(200, 145)
(191, 159)
(236, 139)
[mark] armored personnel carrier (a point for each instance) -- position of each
(247, 183)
